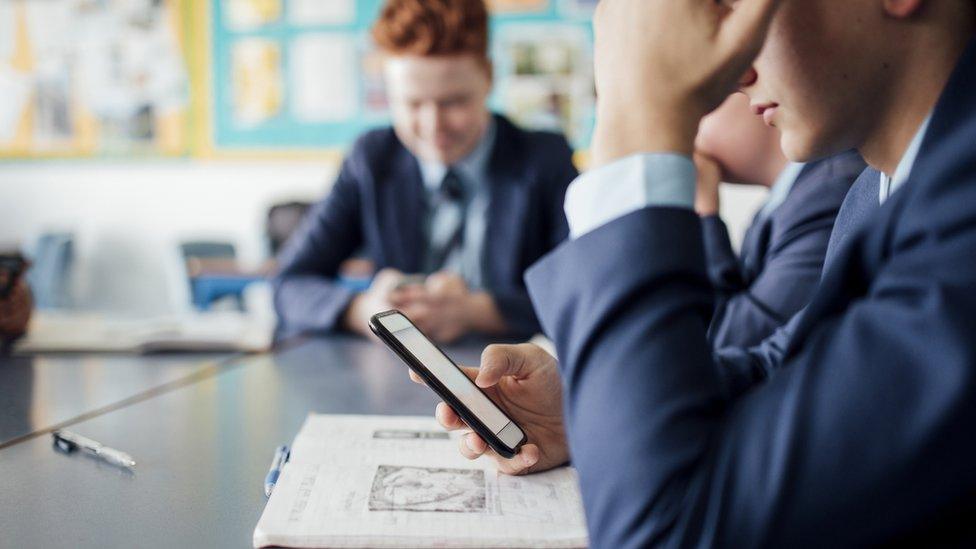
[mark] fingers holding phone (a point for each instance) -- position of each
(471, 446)
(376, 298)
(449, 381)
(523, 380)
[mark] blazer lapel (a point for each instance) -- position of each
(754, 244)
(403, 207)
(507, 210)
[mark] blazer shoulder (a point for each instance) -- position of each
(821, 187)
(542, 157)
(373, 144)
(375, 155)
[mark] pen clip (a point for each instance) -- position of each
(62, 444)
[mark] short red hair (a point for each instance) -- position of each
(433, 27)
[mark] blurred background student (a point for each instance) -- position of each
(155, 157)
(451, 192)
(782, 255)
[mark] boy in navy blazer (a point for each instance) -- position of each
(859, 430)
(778, 267)
(450, 191)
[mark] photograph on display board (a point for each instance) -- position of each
(310, 13)
(249, 15)
(322, 78)
(258, 84)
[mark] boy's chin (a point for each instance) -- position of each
(799, 147)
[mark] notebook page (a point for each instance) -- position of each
(399, 482)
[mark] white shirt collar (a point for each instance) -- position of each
(471, 166)
(891, 184)
(781, 187)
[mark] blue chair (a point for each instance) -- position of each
(208, 286)
(50, 274)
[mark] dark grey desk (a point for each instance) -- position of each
(41, 392)
(202, 451)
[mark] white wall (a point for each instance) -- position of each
(739, 205)
(129, 216)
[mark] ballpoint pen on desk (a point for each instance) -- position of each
(68, 442)
(280, 458)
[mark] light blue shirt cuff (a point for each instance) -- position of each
(609, 192)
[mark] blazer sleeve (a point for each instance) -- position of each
(721, 261)
(514, 303)
(865, 430)
(789, 277)
(741, 367)
(307, 295)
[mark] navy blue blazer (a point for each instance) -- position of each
(781, 258)
(861, 435)
(378, 206)
(859, 204)
(743, 365)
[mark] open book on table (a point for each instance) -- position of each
(71, 331)
(388, 481)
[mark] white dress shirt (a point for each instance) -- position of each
(891, 184)
(472, 170)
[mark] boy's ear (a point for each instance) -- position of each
(902, 9)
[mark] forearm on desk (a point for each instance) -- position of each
(310, 303)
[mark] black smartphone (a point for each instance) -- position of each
(11, 267)
(447, 380)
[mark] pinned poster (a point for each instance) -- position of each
(302, 13)
(8, 29)
(323, 78)
(517, 6)
(544, 77)
(15, 89)
(245, 15)
(257, 81)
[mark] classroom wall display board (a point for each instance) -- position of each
(303, 74)
(92, 77)
(206, 78)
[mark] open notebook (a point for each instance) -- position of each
(386, 481)
(66, 332)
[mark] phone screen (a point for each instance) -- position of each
(451, 377)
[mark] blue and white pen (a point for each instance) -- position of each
(68, 442)
(280, 458)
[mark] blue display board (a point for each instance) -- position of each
(542, 59)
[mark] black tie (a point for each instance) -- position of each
(447, 225)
